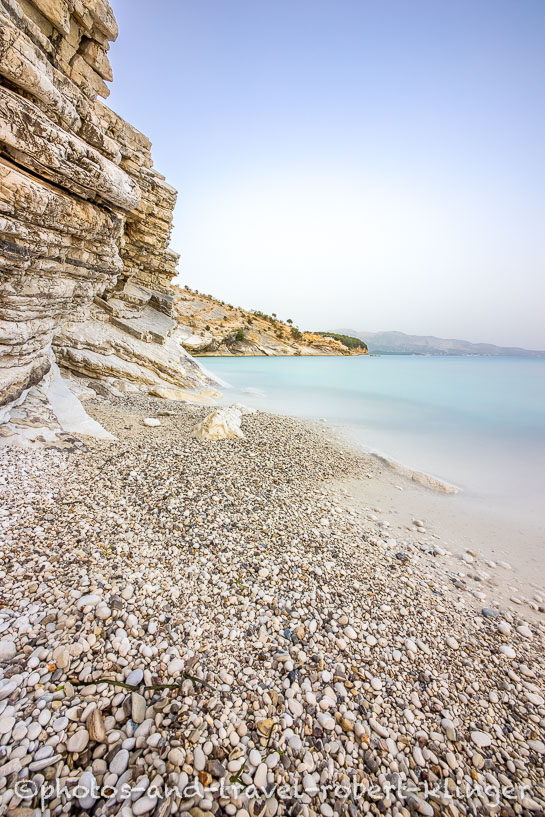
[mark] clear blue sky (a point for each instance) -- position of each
(377, 164)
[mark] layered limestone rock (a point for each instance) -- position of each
(85, 219)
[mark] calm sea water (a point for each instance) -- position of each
(477, 422)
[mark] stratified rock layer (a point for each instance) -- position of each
(85, 219)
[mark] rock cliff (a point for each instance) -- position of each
(85, 219)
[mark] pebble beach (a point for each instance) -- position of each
(209, 628)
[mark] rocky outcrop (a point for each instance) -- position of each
(220, 424)
(211, 327)
(85, 219)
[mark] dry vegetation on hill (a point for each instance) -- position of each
(212, 327)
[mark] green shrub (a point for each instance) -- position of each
(346, 340)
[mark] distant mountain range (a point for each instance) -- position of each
(398, 343)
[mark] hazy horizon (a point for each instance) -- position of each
(360, 164)
(363, 331)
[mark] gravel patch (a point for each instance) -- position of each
(202, 628)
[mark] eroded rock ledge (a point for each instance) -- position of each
(85, 219)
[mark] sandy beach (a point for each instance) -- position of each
(498, 557)
(253, 627)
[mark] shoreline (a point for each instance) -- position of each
(424, 478)
(320, 638)
(460, 523)
(311, 354)
(461, 520)
(499, 492)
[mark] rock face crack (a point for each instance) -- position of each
(85, 219)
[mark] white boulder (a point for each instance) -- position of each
(244, 409)
(8, 650)
(221, 424)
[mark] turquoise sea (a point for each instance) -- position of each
(477, 422)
